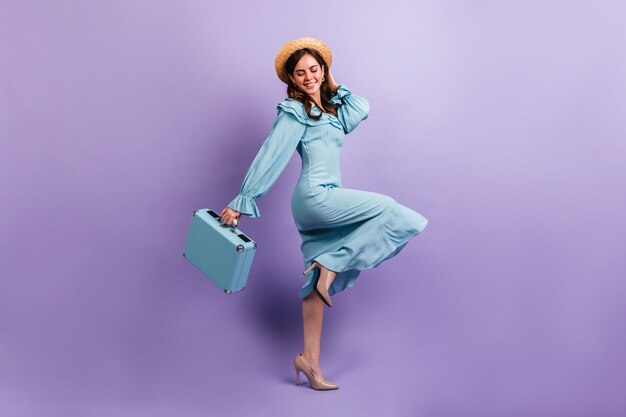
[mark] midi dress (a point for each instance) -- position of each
(345, 230)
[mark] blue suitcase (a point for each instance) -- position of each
(223, 253)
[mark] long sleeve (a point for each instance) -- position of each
(351, 109)
(269, 162)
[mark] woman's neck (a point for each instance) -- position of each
(317, 99)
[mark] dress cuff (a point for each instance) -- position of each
(342, 91)
(245, 205)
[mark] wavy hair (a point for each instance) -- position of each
(326, 92)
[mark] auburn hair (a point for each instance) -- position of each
(326, 92)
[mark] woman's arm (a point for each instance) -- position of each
(267, 166)
(351, 109)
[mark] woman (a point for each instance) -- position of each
(343, 231)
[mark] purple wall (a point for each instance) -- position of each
(501, 122)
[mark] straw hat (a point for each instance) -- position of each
(292, 46)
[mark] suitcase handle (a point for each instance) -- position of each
(220, 220)
(233, 229)
(213, 214)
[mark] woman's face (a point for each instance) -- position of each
(308, 75)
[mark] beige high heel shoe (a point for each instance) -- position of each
(321, 290)
(315, 380)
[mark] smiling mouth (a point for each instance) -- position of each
(309, 85)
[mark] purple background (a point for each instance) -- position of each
(501, 122)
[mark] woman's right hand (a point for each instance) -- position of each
(331, 82)
(229, 215)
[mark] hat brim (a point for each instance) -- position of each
(292, 46)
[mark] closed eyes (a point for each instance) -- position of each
(312, 68)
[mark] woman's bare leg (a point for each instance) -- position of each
(313, 316)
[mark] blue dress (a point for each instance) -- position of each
(343, 229)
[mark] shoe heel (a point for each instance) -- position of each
(297, 377)
(309, 269)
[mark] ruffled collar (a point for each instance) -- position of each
(297, 109)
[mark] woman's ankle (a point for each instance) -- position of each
(313, 361)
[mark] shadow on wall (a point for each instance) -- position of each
(239, 131)
(271, 307)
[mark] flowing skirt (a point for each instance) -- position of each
(348, 230)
